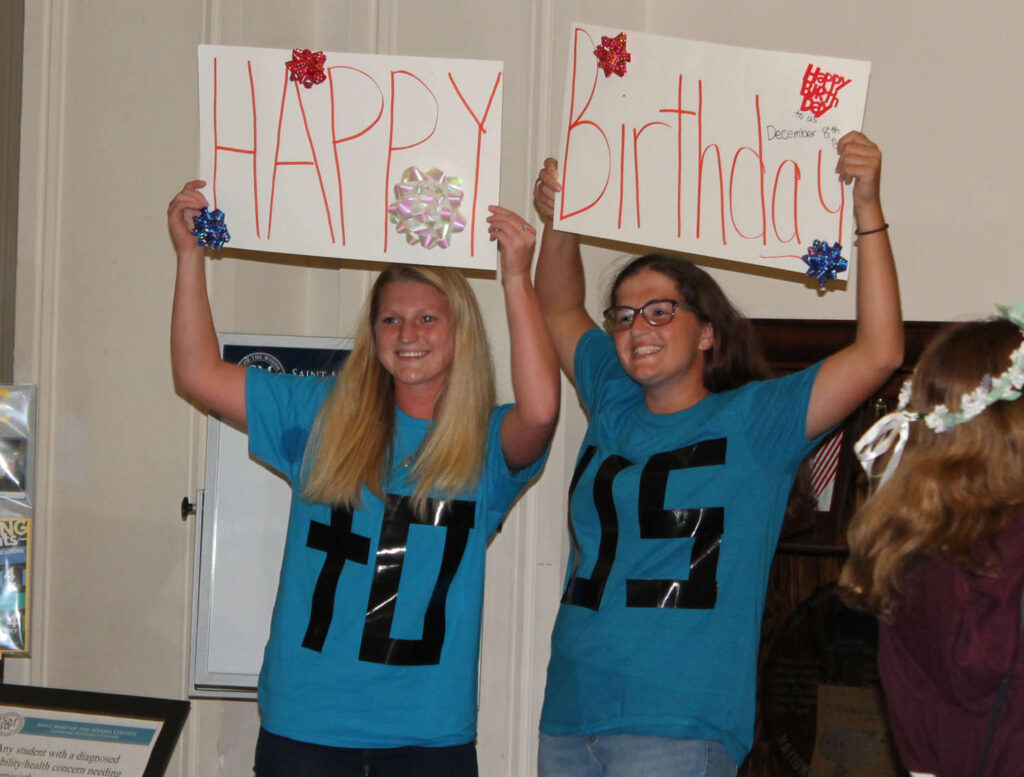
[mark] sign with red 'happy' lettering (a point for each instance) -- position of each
(352, 155)
(703, 148)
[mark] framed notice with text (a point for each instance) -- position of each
(50, 730)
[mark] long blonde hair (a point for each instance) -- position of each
(953, 492)
(350, 444)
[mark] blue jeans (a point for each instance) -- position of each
(629, 755)
(278, 756)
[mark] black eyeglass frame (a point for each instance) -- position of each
(613, 326)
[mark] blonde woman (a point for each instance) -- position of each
(402, 469)
(938, 553)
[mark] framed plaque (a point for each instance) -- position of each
(49, 730)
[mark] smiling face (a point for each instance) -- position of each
(414, 331)
(668, 360)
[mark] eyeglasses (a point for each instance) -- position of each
(657, 312)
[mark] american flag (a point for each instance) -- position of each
(824, 466)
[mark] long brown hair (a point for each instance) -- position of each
(350, 444)
(735, 357)
(953, 492)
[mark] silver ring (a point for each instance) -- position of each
(522, 227)
(537, 183)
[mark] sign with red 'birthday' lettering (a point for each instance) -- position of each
(352, 155)
(704, 148)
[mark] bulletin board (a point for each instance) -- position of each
(242, 518)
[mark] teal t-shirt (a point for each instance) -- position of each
(375, 634)
(674, 521)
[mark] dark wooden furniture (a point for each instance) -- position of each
(813, 544)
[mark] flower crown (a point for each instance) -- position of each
(891, 431)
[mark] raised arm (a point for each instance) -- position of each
(561, 287)
(849, 376)
(527, 429)
(199, 371)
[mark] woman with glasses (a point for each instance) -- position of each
(679, 493)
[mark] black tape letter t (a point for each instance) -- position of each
(341, 545)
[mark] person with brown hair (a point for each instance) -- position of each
(402, 469)
(679, 493)
(937, 552)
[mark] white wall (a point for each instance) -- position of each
(109, 134)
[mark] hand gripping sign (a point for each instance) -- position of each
(352, 155)
(710, 149)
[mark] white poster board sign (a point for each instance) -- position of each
(313, 170)
(703, 148)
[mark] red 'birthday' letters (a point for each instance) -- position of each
(820, 90)
(692, 154)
